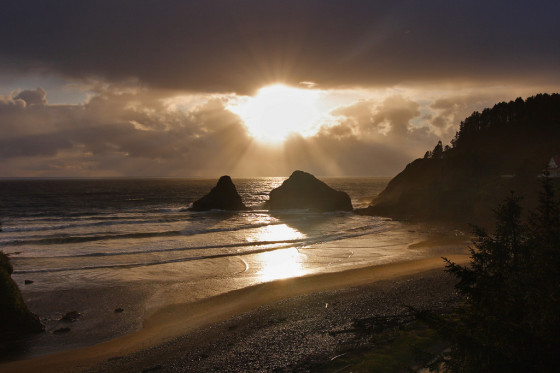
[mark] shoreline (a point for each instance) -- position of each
(178, 320)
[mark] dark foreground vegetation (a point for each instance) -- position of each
(510, 321)
(501, 149)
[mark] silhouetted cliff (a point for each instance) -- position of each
(15, 317)
(494, 152)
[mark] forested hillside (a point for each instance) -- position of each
(499, 150)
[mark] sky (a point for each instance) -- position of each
(138, 88)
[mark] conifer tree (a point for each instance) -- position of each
(510, 321)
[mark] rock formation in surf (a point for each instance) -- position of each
(304, 191)
(15, 317)
(223, 196)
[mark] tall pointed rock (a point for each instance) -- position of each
(223, 196)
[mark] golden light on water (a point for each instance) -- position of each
(277, 111)
(275, 233)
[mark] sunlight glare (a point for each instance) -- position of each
(275, 233)
(281, 263)
(277, 111)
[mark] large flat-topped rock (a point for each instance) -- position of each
(304, 191)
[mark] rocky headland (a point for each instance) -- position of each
(15, 318)
(503, 149)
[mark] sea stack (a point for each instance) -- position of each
(304, 191)
(223, 196)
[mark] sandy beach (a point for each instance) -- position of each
(171, 332)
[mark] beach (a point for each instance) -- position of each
(175, 338)
(138, 270)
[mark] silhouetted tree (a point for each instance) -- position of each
(438, 150)
(511, 317)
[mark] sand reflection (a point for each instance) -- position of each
(281, 263)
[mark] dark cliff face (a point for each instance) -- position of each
(223, 196)
(304, 191)
(500, 150)
(15, 317)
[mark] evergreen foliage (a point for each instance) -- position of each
(510, 321)
(438, 150)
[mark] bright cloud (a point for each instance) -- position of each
(139, 133)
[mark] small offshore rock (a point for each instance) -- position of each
(27, 282)
(118, 310)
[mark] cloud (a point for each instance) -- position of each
(141, 132)
(217, 46)
(386, 120)
(367, 137)
(116, 134)
(395, 114)
(447, 111)
(36, 97)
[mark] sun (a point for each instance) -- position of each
(277, 111)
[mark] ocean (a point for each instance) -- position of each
(87, 236)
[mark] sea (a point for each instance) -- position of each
(83, 236)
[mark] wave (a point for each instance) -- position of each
(101, 236)
(111, 222)
(175, 249)
(286, 244)
(61, 240)
(105, 217)
(298, 243)
(145, 264)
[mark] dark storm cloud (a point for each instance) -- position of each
(239, 45)
(36, 97)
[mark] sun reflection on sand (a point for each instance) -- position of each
(281, 263)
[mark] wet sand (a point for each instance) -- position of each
(179, 324)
